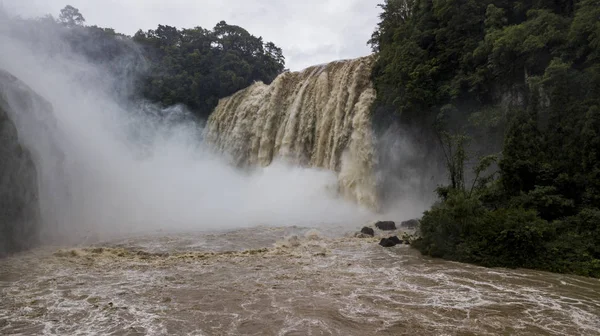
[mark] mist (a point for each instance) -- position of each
(116, 168)
(126, 170)
(407, 171)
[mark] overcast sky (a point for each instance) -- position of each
(309, 31)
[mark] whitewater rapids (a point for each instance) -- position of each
(259, 281)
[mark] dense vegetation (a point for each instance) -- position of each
(195, 67)
(527, 72)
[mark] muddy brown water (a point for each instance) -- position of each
(260, 281)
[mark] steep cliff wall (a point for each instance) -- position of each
(21, 110)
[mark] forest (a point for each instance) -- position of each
(194, 67)
(524, 75)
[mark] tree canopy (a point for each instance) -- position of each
(168, 66)
(70, 16)
(197, 66)
(536, 66)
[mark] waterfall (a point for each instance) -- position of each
(319, 117)
(27, 134)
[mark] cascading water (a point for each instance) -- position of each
(29, 191)
(319, 117)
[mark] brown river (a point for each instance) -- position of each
(280, 281)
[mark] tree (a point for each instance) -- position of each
(394, 13)
(197, 67)
(71, 17)
(538, 63)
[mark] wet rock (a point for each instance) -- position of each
(386, 242)
(396, 240)
(362, 235)
(386, 225)
(18, 189)
(23, 111)
(410, 224)
(368, 231)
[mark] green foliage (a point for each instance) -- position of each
(425, 59)
(577, 247)
(433, 53)
(462, 229)
(531, 70)
(481, 182)
(197, 67)
(547, 201)
(453, 147)
(520, 163)
(584, 33)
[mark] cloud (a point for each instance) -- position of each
(309, 31)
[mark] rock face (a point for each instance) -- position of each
(19, 208)
(386, 225)
(20, 213)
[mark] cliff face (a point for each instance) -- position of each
(19, 206)
(20, 215)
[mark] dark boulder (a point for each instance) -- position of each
(368, 231)
(396, 240)
(386, 225)
(410, 224)
(386, 242)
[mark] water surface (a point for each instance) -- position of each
(260, 281)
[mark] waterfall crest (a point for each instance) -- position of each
(319, 117)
